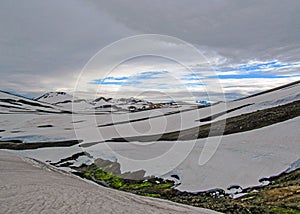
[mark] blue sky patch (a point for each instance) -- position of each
(193, 84)
(129, 80)
(101, 82)
(259, 70)
(259, 66)
(248, 76)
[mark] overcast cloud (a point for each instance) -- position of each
(44, 45)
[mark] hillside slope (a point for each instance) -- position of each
(31, 187)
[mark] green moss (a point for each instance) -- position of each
(280, 210)
(87, 174)
(135, 186)
(116, 182)
(146, 184)
(99, 174)
(166, 185)
(150, 187)
(152, 195)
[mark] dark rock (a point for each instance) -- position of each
(175, 176)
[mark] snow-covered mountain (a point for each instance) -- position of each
(11, 103)
(132, 104)
(55, 98)
(69, 102)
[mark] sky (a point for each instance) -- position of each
(245, 47)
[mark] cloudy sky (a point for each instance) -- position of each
(72, 45)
